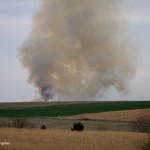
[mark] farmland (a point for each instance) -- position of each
(67, 109)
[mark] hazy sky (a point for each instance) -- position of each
(15, 25)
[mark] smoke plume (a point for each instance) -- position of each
(78, 50)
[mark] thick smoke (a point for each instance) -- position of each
(78, 50)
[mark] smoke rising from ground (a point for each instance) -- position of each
(78, 50)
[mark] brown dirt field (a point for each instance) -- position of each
(38, 104)
(37, 139)
(127, 115)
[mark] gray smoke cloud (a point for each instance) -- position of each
(78, 50)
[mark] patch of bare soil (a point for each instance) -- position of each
(39, 104)
(127, 115)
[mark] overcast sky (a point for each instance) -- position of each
(15, 25)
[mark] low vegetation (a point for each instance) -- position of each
(17, 123)
(142, 124)
(22, 123)
(143, 144)
(37, 139)
(5, 124)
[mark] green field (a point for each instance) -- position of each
(64, 109)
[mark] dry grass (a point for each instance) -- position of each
(127, 115)
(36, 139)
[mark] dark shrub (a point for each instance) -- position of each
(43, 127)
(77, 126)
(143, 145)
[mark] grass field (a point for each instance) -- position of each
(36, 139)
(63, 109)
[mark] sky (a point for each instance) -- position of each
(16, 23)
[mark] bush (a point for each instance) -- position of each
(144, 145)
(142, 124)
(22, 123)
(43, 127)
(77, 126)
(5, 124)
